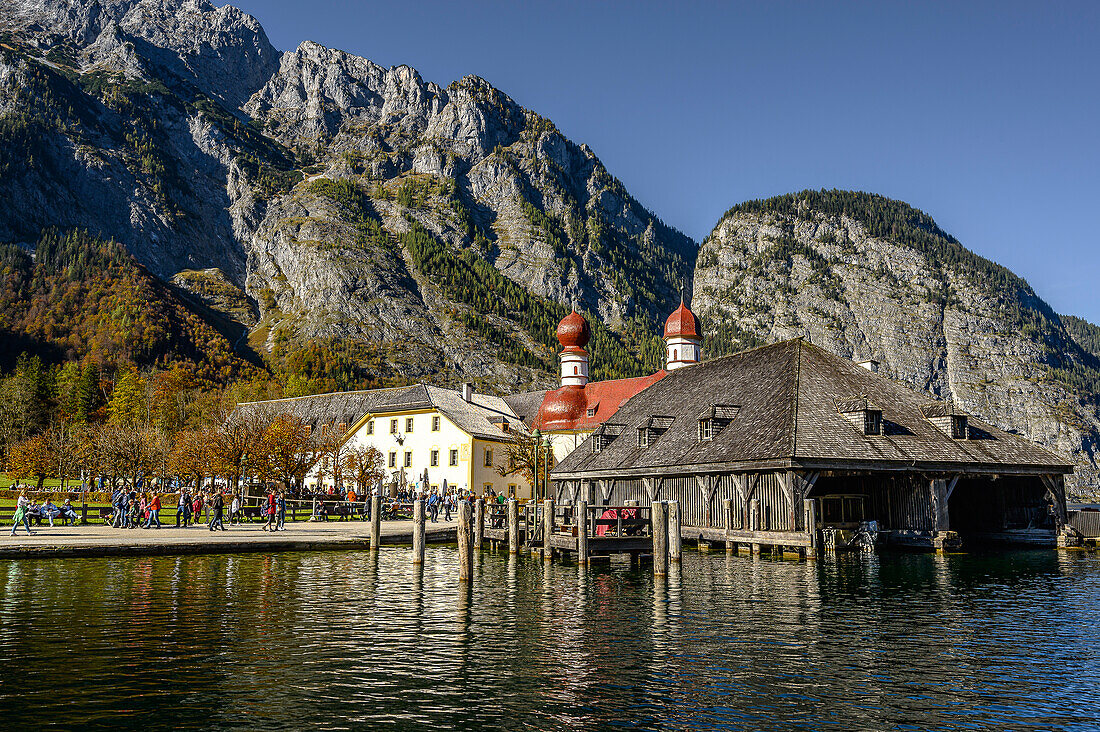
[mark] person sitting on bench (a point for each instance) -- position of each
(68, 513)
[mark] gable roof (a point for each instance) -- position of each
(787, 394)
(526, 405)
(474, 417)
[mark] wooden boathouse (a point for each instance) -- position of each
(791, 446)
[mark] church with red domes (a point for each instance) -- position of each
(569, 414)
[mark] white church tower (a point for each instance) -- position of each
(683, 341)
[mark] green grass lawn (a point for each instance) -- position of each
(50, 483)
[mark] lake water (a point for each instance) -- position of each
(351, 641)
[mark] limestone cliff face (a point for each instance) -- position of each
(174, 127)
(870, 278)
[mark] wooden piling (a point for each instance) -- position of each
(375, 522)
(727, 521)
(479, 523)
(465, 542)
(809, 506)
(754, 505)
(547, 529)
(582, 533)
(513, 525)
(418, 531)
(675, 540)
(659, 524)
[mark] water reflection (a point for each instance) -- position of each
(361, 639)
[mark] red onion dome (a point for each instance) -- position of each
(563, 408)
(682, 324)
(573, 331)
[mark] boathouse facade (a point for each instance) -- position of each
(789, 445)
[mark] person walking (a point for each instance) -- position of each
(22, 514)
(154, 511)
(270, 524)
(280, 506)
(235, 510)
(183, 509)
(116, 506)
(217, 505)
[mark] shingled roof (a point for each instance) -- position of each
(480, 417)
(787, 394)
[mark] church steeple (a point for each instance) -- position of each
(573, 334)
(683, 339)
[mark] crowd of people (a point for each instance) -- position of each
(132, 508)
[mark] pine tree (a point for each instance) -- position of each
(127, 405)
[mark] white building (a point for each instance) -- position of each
(457, 437)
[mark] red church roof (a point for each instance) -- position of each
(682, 324)
(573, 331)
(568, 408)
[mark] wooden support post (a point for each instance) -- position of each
(582, 533)
(547, 529)
(754, 520)
(809, 511)
(479, 523)
(375, 522)
(675, 540)
(727, 519)
(660, 538)
(418, 531)
(465, 542)
(512, 509)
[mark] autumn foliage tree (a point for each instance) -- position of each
(366, 467)
(31, 458)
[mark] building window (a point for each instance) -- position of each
(488, 457)
(958, 426)
(393, 459)
(674, 354)
(408, 459)
(575, 371)
(591, 412)
(706, 430)
(343, 427)
(643, 438)
(511, 490)
(454, 458)
(435, 423)
(872, 422)
(487, 489)
(435, 458)
(408, 424)
(370, 427)
(393, 426)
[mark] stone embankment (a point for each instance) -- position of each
(105, 541)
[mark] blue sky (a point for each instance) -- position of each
(985, 115)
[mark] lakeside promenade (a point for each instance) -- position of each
(104, 541)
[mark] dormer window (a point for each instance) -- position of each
(604, 435)
(950, 420)
(715, 419)
(864, 416)
(591, 412)
(651, 429)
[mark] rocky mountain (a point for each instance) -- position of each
(871, 278)
(318, 198)
(328, 217)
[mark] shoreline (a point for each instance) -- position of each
(104, 541)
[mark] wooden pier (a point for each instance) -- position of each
(578, 531)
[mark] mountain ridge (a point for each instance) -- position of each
(370, 226)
